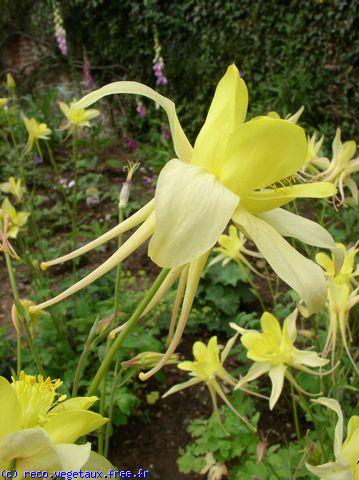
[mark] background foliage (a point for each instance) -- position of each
(302, 51)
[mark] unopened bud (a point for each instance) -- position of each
(148, 360)
(306, 333)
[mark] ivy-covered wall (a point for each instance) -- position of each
(291, 52)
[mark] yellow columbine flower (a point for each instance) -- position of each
(78, 117)
(38, 427)
(36, 131)
(13, 186)
(15, 219)
(346, 465)
(341, 297)
(231, 247)
(290, 118)
(342, 166)
(225, 176)
(207, 368)
(273, 352)
(3, 102)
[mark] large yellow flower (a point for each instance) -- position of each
(38, 428)
(273, 351)
(226, 176)
(346, 465)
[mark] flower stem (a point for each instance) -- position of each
(295, 412)
(127, 329)
(121, 215)
(22, 314)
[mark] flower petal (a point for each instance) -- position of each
(311, 359)
(303, 275)
(257, 369)
(192, 209)
(10, 413)
(350, 450)
(331, 471)
(269, 199)
(76, 403)
(182, 386)
(227, 111)
(271, 326)
(68, 426)
(338, 436)
(276, 374)
(260, 153)
(98, 463)
(290, 225)
(182, 146)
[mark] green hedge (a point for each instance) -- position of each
(291, 53)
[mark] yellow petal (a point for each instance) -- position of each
(192, 209)
(290, 225)
(259, 202)
(98, 463)
(260, 153)
(270, 326)
(182, 386)
(289, 326)
(10, 414)
(331, 471)
(276, 374)
(257, 370)
(338, 435)
(350, 449)
(72, 457)
(303, 275)
(76, 403)
(68, 426)
(227, 111)
(182, 146)
(311, 359)
(199, 351)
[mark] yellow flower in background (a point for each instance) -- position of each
(290, 118)
(349, 269)
(36, 131)
(342, 166)
(313, 161)
(15, 219)
(346, 465)
(341, 297)
(14, 187)
(10, 82)
(207, 367)
(231, 247)
(3, 102)
(226, 176)
(38, 427)
(273, 352)
(79, 117)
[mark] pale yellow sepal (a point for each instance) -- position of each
(182, 146)
(303, 275)
(192, 209)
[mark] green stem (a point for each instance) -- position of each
(15, 294)
(22, 314)
(58, 176)
(295, 412)
(75, 200)
(115, 386)
(119, 266)
(123, 334)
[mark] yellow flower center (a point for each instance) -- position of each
(36, 397)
